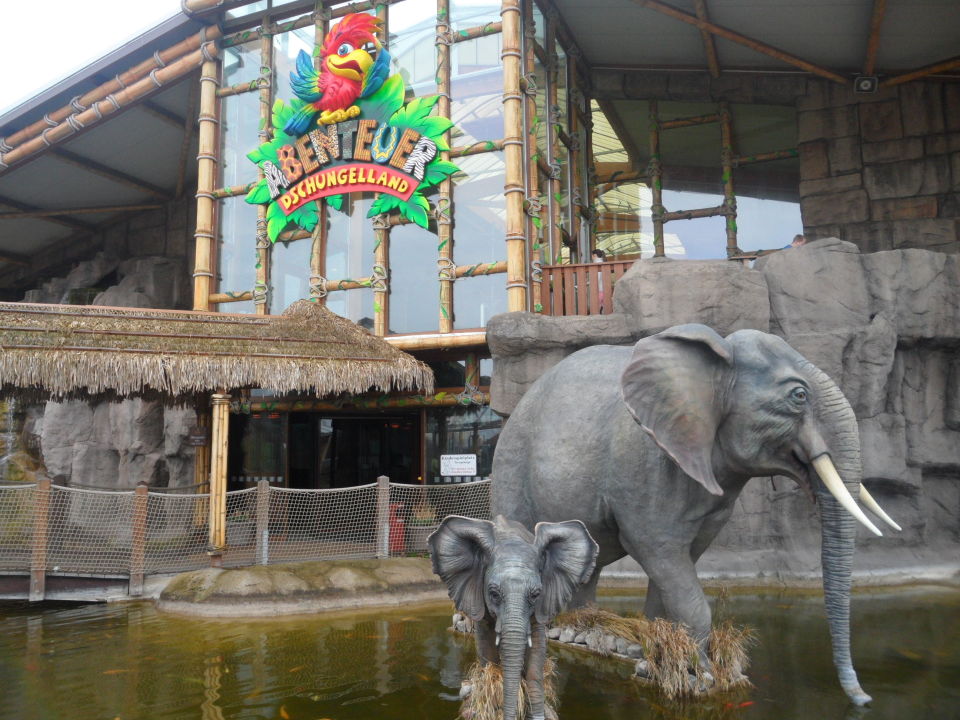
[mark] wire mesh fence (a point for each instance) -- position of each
(67, 530)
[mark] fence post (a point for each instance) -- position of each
(138, 540)
(263, 521)
(38, 558)
(383, 517)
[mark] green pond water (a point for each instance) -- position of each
(129, 661)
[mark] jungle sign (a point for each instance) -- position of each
(348, 130)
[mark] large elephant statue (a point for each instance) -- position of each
(651, 446)
(511, 583)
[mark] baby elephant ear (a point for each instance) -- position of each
(568, 556)
(460, 551)
(673, 387)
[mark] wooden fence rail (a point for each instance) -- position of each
(581, 289)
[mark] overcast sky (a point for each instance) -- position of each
(47, 41)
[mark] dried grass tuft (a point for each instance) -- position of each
(485, 701)
(729, 654)
(672, 655)
(633, 629)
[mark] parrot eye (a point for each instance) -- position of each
(345, 49)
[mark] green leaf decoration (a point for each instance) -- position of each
(414, 112)
(276, 221)
(305, 216)
(335, 201)
(433, 127)
(259, 193)
(384, 204)
(377, 307)
(436, 172)
(417, 210)
(384, 102)
(536, 222)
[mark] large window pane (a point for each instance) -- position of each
(477, 299)
(289, 273)
(479, 215)
(414, 285)
(350, 243)
(470, 13)
(413, 29)
(237, 252)
(471, 430)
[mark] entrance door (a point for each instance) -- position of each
(339, 451)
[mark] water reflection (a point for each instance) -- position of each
(128, 661)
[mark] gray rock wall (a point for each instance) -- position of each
(115, 445)
(885, 326)
(881, 170)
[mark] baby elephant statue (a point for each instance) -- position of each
(511, 584)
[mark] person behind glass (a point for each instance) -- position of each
(599, 256)
(798, 241)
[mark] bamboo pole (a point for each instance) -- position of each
(379, 280)
(112, 104)
(736, 37)
(943, 66)
(229, 297)
(233, 191)
(688, 121)
(471, 374)
(533, 206)
(656, 181)
(873, 40)
(553, 205)
(41, 528)
(207, 160)
(318, 239)
(445, 194)
(443, 398)
(218, 475)
(261, 285)
(239, 88)
(21, 215)
(709, 49)
(490, 28)
(380, 277)
(726, 161)
(513, 156)
(483, 146)
(83, 102)
(138, 539)
(739, 160)
(693, 214)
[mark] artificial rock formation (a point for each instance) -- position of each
(885, 326)
(114, 445)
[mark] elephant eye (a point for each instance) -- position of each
(344, 49)
(495, 594)
(535, 593)
(799, 394)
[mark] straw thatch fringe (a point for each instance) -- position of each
(83, 352)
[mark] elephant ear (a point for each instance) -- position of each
(460, 551)
(568, 556)
(672, 387)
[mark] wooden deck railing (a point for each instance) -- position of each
(581, 289)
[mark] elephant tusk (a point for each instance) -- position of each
(497, 643)
(872, 505)
(529, 641)
(831, 478)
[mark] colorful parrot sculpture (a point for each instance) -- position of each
(347, 72)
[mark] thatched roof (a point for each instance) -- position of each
(64, 351)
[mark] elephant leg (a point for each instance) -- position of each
(533, 670)
(486, 638)
(653, 606)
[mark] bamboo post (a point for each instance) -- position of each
(318, 246)
(38, 556)
(656, 181)
(201, 462)
(138, 539)
(444, 198)
(533, 204)
(218, 477)
(379, 280)
(263, 522)
(553, 99)
(513, 156)
(729, 197)
(262, 282)
(471, 374)
(383, 517)
(206, 182)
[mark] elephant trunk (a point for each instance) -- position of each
(838, 527)
(513, 650)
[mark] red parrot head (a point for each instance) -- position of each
(342, 50)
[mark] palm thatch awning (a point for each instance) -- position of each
(64, 351)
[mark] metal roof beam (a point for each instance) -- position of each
(109, 173)
(873, 40)
(28, 214)
(23, 207)
(736, 37)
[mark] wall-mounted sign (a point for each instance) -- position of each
(458, 465)
(348, 130)
(198, 436)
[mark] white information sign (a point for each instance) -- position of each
(458, 465)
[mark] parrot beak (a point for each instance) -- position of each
(352, 66)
